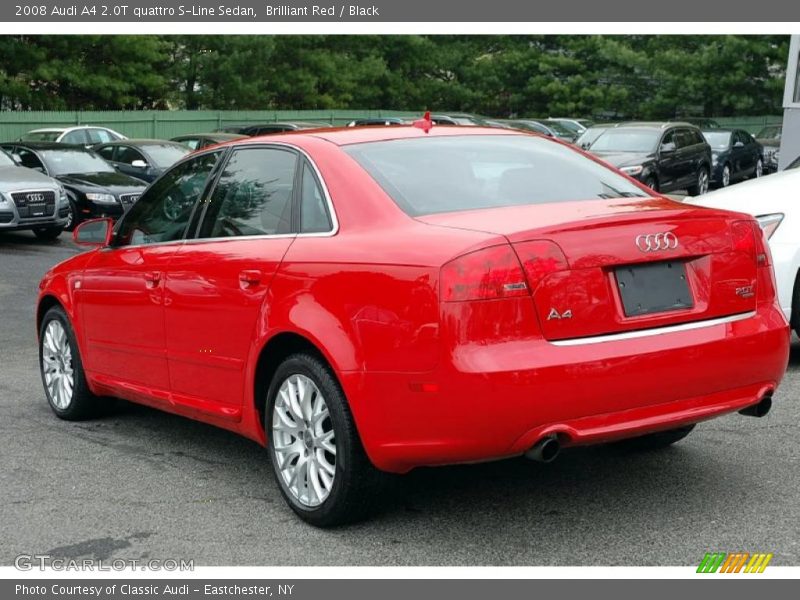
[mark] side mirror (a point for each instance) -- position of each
(95, 232)
(139, 164)
(668, 148)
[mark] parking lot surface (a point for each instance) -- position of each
(141, 484)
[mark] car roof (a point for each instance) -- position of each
(46, 145)
(343, 136)
(655, 124)
(214, 135)
(719, 130)
(139, 142)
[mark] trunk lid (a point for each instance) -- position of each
(629, 264)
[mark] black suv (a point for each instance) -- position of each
(663, 156)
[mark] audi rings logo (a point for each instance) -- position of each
(35, 197)
(653, 242)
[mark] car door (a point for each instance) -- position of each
(668, 161)
(750, 153)
(131, 161)
(686, 158)
(218, 284)
(121, 292)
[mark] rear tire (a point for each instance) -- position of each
(701, 183)
(61, 369)
(654, 441)
(307, 416)
(48, 234)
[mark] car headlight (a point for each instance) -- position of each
(62, 196)
(769, 223)
(636, 170)
(102, 198)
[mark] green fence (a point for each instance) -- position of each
(751, 124)
(165, 124)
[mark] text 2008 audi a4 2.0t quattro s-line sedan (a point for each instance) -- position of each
(378, 299)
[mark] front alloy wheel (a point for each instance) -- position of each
(759, 168)
(726, 176)
(317, 458)
(62, 370)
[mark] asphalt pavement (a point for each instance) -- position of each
(140, 484)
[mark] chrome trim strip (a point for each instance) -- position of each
(631, 335)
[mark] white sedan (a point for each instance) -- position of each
(775, 202)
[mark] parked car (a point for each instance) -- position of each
(664, 156)
(575, 126)
(143, 159)
(31, 200)
(373, 121)
(94, 188)
(735, 155)
(84, 135)
(270, 128)
(550, 129)
(588, 137)
(770, 138)
(773, 202)
(300, 315)
(198, 141)
(457, 119)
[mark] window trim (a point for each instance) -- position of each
(302, 155)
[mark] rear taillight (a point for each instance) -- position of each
(749, 239)
(539, 259)
(486, 274)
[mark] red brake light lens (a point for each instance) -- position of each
(486, 274)
(748, 238)
(539, 259)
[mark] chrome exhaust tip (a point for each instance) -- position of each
(545, 450)
(758, 410)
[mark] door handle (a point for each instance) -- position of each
(152, 279)
(250, 277)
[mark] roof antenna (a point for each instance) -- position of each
(425, 122)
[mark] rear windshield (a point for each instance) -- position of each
(41, 136)
(718, 140)
(627, 140)
(435, 175)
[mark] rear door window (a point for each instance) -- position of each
(253, 195)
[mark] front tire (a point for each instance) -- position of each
(654, 441)
(317, 457)
(62, 370)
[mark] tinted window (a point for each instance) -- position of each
(29, 159)
(106, 152)
(684, 138)
(66, 161)
(432, 175)
(99, 136)
(128, 154)
(253, 195)
(166, 155)
(75, 137)
(718, 140)
(314, 216)
(191, 143)
(164, 210)
(627, 140)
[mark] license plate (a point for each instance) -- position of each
(653, 288)
(36, 211)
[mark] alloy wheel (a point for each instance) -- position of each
(759, 168)
(57, 367)
(726, 176)
(303, 441)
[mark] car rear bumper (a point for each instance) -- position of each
(491, 401)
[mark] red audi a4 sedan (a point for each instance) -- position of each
(377, 299)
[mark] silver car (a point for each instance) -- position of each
(31, 200)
